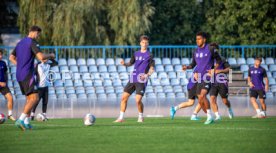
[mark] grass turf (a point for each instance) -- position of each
(155, 135)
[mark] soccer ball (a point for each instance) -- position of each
(89, 119)
(40, 117)
(2, 118)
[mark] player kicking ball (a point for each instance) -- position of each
(143, 68)
(4, 89)
(256, 75)
(23, 57)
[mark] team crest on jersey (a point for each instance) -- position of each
(201, 55)
(206, 54)
(252, 72)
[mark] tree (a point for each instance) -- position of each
(37, 12)
(129, 20)
(238, 22)
(177, 22)
(78, 22)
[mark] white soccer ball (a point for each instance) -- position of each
(89, 119)
(2, 118)
(40, 117)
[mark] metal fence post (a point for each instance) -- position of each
(56, 52)
(104, 53)
(242, 51)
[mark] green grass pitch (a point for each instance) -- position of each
(155, 135)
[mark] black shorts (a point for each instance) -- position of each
(139, 87)
(258, 93)
(220, 89)
(192, 92)
(5, 90)
(203, 85)
(28, 85)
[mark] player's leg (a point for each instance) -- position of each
(223, 91)
(228, 105)
(32, 99)
(190, 102)
(194, 116)
(45, 101)
(262, 98)
(140, 106)
(28, 88)
(262, 101)
(203, 101)
(214, 106)
(253, 100)
(140, 90)
(40, 92)
(7, 93)
(123, 107)
(213, 99)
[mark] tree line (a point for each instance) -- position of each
(167, 22)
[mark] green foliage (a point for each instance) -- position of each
(121, 22)
(176, 22)
(129, 20)
(87, 22)
(37, 12)
(242, 22)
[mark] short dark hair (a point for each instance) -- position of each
(35, 28)
(215, 45)
(144, 37)
(202, 34)
(259, 59)
(1, 51)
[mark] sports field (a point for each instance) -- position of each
(155, 135)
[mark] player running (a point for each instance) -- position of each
(4, 89)
(203, 58)
(256, 75)
(23, 57)
(42, 70)
(143, 68)
(192, 85)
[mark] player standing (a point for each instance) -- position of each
(42, 70)
(23, 57)
(4, 89)
(203, 58)
(256, 75)
(143, 68)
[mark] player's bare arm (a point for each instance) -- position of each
(12, 58)
(266, 84)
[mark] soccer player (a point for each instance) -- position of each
(42, 70)
(192, 85)
(23, 57)
(220, 85)
(4, 89)
(143, 68)
(203, 58)
(256, 75)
